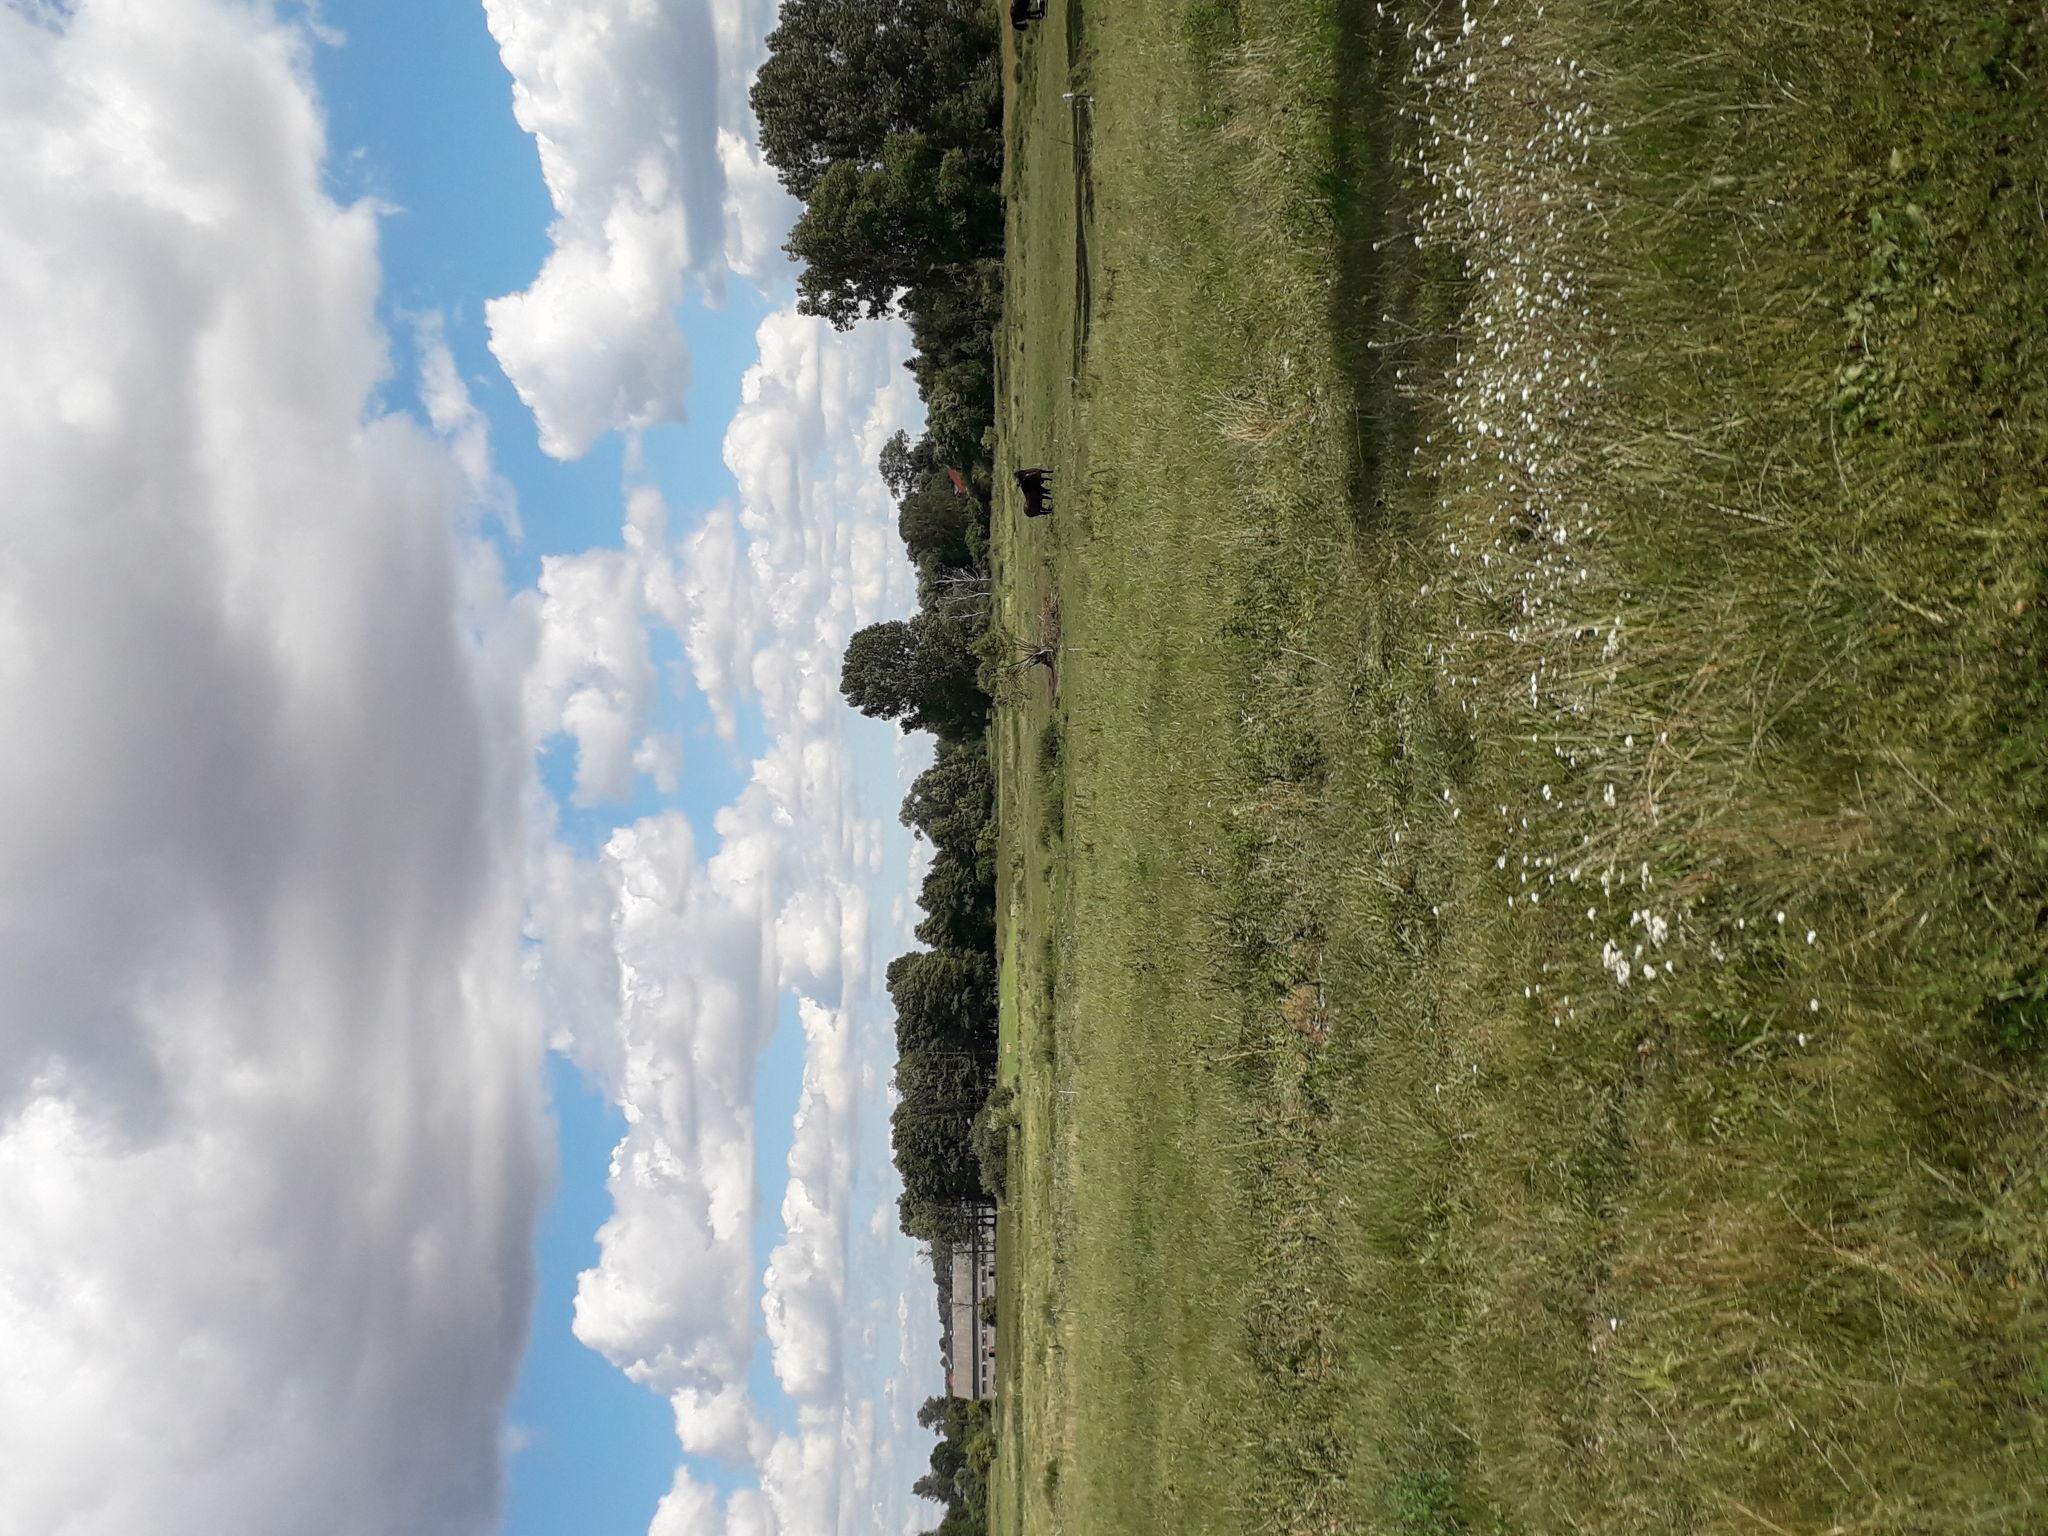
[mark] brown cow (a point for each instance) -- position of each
(1036, 484)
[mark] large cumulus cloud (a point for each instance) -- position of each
(639, 113)
(269, 1131)
(796, 896)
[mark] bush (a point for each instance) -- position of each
(991, 1141)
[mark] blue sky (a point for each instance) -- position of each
(445, 901)
(418, 106)
(419, 117)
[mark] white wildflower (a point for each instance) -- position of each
(1613, 961)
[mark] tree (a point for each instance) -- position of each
(938, 525)
(952, 799)
(842, 76)
(939, 1094)
(990, 1139)
(953, 319)
(960, 1462)
(953, 803)
(944, 997)
(904, 465)
(921, 671)
(868, 232)
(959, 906)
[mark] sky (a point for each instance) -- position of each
(444, 1069)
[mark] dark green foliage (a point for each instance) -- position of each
(959, 906)
(944, 997)
(869, 232)
(991, 1141)
(951, 323)
(953, 803)
(887, 122)
(844, 76)
(940, 1092)
(904, 464)
(919, 671)
(958, 1479)
(937, 524)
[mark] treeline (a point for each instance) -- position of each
(885, 120)
(958, 1479)
(945, 996)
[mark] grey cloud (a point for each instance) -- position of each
(270, 1139)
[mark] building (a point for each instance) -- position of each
(970, 1334)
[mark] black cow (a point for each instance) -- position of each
(1022, 11)
(1036, 484)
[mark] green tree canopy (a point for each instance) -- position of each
(843, 76)
(959, 905)
(940, 1092)
(905, 464)
(868, 232)
(953, 803)
(960, 1461)
(944, 997)
(952, 324)
(921, 671)
(938, 525)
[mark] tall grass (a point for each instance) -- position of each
(1551, 908)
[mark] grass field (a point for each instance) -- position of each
(1525, 897)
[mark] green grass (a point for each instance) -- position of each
(1352, 1191)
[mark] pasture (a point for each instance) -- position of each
(1524, 895)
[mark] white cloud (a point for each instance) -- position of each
(696, 949)
(660, 758)
(718, 1423)
(691, 1508)
(574, 961)
(591, 346)
(710, 607)
(669, 1297)
(771, 595)
(639, 114)
(460, 424)
(758, 213)
(593, 679)
(804, 1288)
(270, 1138)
